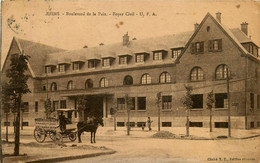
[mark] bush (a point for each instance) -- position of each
(163, 134)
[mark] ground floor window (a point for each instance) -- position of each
(63, 104)
(196, 124)
(166, 124)
(121, 103)
(258, 124)
(252, 124)
(25, 106)
(197, 101)
(6, 123)
(132, 124)
(120, 124)
(221, 100)
(141, 124)
(55, 105)
(258, 101)
(36, 106)
(141, 103)
(252, 101)
(166, 102)
(221, 124)
(25, 123)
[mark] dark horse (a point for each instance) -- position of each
(89, 127)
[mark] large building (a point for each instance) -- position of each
(141, 69)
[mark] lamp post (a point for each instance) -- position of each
(228, 97)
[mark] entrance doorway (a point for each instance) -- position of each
(94, 106)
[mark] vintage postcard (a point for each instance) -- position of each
(130, 81)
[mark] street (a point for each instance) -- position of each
(175, 150)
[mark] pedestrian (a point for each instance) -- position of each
(149, 123)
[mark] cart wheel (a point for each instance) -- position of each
(58, 138)
(72, 136)
(39, 135)
(52, 135)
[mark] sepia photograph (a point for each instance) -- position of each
(128, 81)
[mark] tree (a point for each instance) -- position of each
(129, 106)
(6, 104)
(187, 102)
(48, 108)
(210, 101)
(17, 85)
(158, 102)
(113, 112)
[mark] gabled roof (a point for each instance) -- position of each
(37, 52)
(235, 35)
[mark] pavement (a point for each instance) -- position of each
(51, 152)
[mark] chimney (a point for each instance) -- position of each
(218, 16)
(125, 39)
(196, 25)
(244, 27)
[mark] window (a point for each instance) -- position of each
(89, 84)
(132, 124)
(221, 100)
(221, 72)
(48, 70)
(139, 58)
(123, 60)
(36, 106)
(75, 66)
(258, 123)
(92, 64)
(196, 124)
(146, 79)
(25, 123)
(121, 103)
(197, 47)
(61, 68)
(120, 124)
(6, 123)
(63, 104)
(215, 45)
(55, 105)
(25, 107)
(197, 101)
(141, 124)
(128, 80)
(196, 74)
(252, 101)
(157, 56)
(141, 103)
(252, 124)
(103, 82)
(176, 52)
(106, 62)
(53, 87)
(166, 102)
(166, 124)
(70, 85)
(221, 124)
(258, 101)
(165, 77)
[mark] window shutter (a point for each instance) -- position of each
(201, 46)
(210, 45)
(192, 48)
(220, 44)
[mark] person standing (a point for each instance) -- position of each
(149, 123)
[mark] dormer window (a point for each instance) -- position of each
(92, 63)
(176, 52)
(48, 69)
(75, 66)
(62, 68)
(157, 56)
(139, 58)
(123, 60)
(106, 62)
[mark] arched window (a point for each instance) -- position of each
(146, 79)
(103, 82)
(165, 77)
(89, 83)
(128, 80)
(221, 72)
(196, 74)
(54, 86)
(70, 85)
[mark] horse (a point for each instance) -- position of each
(89, 127)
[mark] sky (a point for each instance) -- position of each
(51, 21)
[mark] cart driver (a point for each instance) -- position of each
(62, 119)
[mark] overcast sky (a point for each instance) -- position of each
(73, 32)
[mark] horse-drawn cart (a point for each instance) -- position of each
(50, 127)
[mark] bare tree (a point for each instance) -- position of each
(158, 102)
(210, 102)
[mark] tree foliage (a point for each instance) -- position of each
(48, 108)
(210, 100)
(186, 99)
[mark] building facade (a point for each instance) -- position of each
(141, 69)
